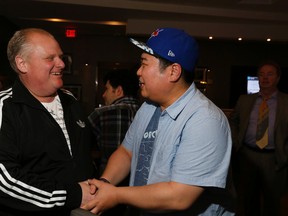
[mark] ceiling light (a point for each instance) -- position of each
(113, 23)
(110, 22)
(55, 20)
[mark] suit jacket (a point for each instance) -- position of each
(239, 119)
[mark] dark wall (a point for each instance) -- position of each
(91, 52)
(230, 61)
(6, 32)
(238, 83)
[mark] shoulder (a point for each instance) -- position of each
(5, 95)
(283, 95)
(282, 99)
(126, 102)
(7, 107)
(247, 96)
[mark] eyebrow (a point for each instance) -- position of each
(144, 59)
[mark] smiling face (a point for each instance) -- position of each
(152, 81)
(160, 82)
(41, 66)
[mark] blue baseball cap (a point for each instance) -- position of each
(172, 44)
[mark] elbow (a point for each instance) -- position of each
(187, 198)
(182, 205)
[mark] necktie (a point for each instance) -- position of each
(145, 150)
(262, 125)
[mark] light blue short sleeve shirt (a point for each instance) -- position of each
(193, 143)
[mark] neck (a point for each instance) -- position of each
(38, 94)
(174, 94)
(266, 93)
(44, 99)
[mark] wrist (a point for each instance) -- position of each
(104, 180)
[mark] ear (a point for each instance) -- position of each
(119, 91)
(21, 64)
(175, 72)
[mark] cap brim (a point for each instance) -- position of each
(142, 46)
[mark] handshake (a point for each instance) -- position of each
(97, 196)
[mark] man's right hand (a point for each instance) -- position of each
(86, 193)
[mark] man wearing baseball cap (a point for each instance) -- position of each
(178, 146)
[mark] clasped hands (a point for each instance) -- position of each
(98, 196)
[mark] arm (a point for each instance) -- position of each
(23, 187)
(86, 195)
(28, 191)
(118, 166)
(165, 196)
(199, 156)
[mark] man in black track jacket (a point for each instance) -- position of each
(44, 137)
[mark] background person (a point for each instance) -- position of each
(185, 137)
(261, 170)
(111, 122)
(44, 139)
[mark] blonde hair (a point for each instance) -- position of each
(20, 44)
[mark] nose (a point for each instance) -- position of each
(138, 71)
(60, 63)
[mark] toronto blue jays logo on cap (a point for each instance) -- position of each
(172, 44)
(156, 32)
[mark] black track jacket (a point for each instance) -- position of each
(38, 176)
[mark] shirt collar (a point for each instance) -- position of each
(273, 96)
(175, 109)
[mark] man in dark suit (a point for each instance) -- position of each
(261, 172)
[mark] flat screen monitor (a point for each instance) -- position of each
(252, 84)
